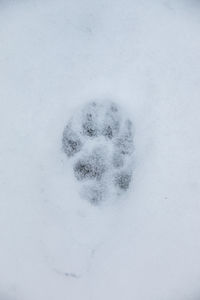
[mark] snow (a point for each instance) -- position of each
(54, 58)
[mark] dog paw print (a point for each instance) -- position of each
(99, 142)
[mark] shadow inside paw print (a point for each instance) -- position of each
(90, 167)
(99, 140)
(71, 141)
(122, 180)
(89, 120)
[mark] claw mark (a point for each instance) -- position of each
(73, 275)
(67, 274)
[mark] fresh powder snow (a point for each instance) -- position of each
(88, 212)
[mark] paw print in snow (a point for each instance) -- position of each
(99, 141)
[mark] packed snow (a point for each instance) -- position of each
(55, 58)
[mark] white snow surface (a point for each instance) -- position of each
(54, 57)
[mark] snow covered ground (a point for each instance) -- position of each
(54, 57)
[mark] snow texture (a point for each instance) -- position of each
(143, 56)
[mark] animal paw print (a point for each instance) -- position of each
(99, 141)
